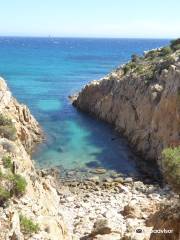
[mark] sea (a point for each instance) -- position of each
(43, 72)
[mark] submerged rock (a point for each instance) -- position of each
(98, 171)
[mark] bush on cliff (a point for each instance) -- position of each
(171, 167)
(4, 121)
(135, 58)
(175, 44)
(19, 185)
(4, 195)
(129, 67)
(11, 184)
(7, 162)
(166, 51)
(27, 225)
(152, 54)
(7, 129)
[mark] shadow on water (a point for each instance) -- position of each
(117, 154)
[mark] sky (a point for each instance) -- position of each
(90, 18)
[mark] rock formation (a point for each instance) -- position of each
(141, 99)
(166, 223)
(40, 201)
(28, 129)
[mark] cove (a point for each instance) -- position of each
(43, 72)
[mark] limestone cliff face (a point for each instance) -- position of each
(40, 203)
(28, 129)
(141, 99)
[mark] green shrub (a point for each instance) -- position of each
(135, 58)
(166, 51)
(9, 177)
(171, 167)
(20, 184)
(16, 185)
(7, 128)
(4, 195)
(140, 69)
(4, 120)
(129, 66)
(168, 61)
(27, 225)
(177, 47)
(149, 74)
(8, 132)
(152, 54)
(126, 69)
(175, 44)
(7, 162)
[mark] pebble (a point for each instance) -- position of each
(119, 179)
(128, 180)
(106, 201)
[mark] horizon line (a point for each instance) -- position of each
(86, 37)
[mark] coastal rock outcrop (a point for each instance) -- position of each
(28, 129)
(29, 201)
(141, 99)
(166, 223)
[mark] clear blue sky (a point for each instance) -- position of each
(91, 18)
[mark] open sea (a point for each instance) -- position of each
(43, 72)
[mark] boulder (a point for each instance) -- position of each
(101, 227)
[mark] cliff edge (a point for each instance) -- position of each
(29, 201)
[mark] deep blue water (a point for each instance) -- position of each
(42, 72)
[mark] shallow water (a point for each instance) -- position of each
(42, 72)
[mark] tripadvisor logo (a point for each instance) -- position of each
(156, 231)
(165, 231)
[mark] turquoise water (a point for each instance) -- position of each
(43, 72)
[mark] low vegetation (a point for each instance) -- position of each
(7, 162)
(171, 167)
(129, 66)
(135, 58)
(153, 62)
(7, 128)
(165, 51)
(11, 184)
(19, 185)
(28, 226)
(175, 44)
(4, 195)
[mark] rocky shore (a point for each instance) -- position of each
(110, 209)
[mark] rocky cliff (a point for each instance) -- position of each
(29, 202)
(28, 129)
(141, 99)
